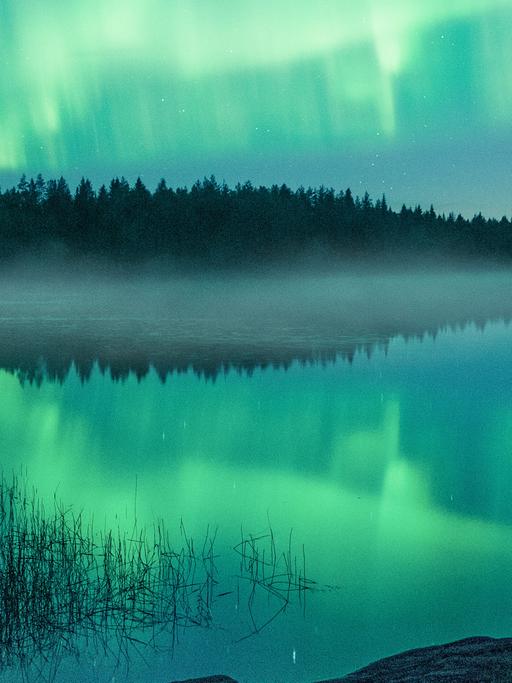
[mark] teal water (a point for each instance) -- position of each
(394, 471)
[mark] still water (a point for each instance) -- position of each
(394, 471)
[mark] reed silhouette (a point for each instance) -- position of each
(65, 587)
(270, 576)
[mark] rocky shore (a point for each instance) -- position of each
(472, 660)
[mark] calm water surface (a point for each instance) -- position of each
(394, 471)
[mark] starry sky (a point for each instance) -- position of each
(406, 97)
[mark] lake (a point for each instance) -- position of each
(349, 449)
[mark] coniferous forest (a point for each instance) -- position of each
(211, 224)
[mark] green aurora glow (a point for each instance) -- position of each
(258, 89)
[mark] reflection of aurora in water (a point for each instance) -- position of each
(390, 470)
(408, 415)
(133, 86)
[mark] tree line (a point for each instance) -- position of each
(213, 224)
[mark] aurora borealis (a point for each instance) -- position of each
(401, 96)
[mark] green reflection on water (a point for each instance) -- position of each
(395, 472)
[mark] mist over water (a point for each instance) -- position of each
(234, 319)
(391, 469)
(220, 393)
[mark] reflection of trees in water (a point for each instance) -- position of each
(64, 586)
(37, 352)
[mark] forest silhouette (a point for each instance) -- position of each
(213, 225)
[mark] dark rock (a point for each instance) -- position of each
(472, 660)
(208, 679)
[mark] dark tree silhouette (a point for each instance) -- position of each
(212, 225)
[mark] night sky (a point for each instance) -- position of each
(408, 97)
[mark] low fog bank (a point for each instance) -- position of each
(359, 295)
(215, 321)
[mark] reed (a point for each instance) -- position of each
(65, 586)
(270, 576)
